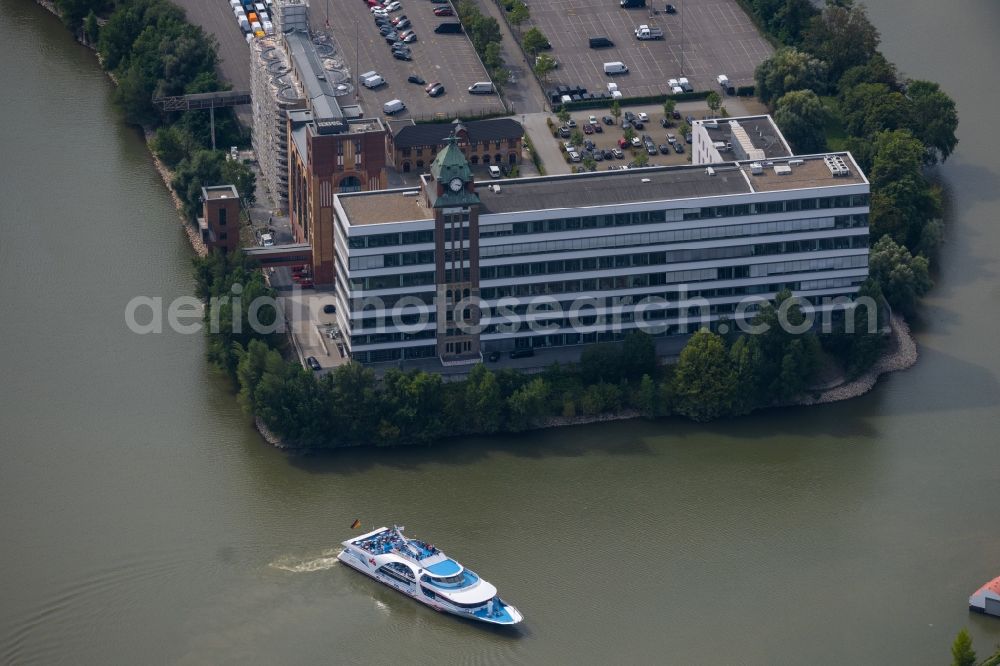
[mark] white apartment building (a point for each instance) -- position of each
(576, 259)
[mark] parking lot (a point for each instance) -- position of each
(718, 38)
(448, 58)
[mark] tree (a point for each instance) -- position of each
(534, 41)
(601, 363)
(801, 116)
(629, 134)
(91, 30)
(501, 76)
(668, 108)
(704, 381)
(638, 355)
(934, 119)
(962, 653)
(483, 400)
(902, 277)
(241, 176)
(876, 70)
(616, 110)
(527, 404)
(902, 201)
(544, 64)
(563, 114)
(492, 57)
(576, 137)
(843, 37)
(589, 163)
(518, 14)
(646, 398)
(641, 159)
(789, 69)
(869, 108)
(714, 101)
(171, 145)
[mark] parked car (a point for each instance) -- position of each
(665, 148)
(443, 11)
(402, 25)
(598, 129)
(622, 143)
(629, 116)
(413, 78)
(643, 116)
(638, 124)
(588, 144)
(678, 147)
(402, 55)
(392, 37)
(665, 122)
(435, 89)
(588, 129)
(313, 363)
(676, 114)
(494, 171)
(564, 132)
(379, 11)
(608, 154)
(571, 123)
(522, 353)
(617, 152)
(670, 9)
(267, 240)
(608, 120)
(395, 20)
(598, 155)
(494, 357)
(636, 142)
(687, 137)
(385, 30)
(408, 36)
(393, 6)
(671, 138)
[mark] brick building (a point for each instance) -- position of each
(413, 147)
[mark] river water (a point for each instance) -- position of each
(144, 521)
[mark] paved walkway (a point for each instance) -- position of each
(523, 92)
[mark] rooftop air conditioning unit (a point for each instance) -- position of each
(756, 169)
(645, 180)
(710, 171)
(796, 162)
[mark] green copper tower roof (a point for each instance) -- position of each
(451, 163)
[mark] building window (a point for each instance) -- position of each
(420, 152)
(223, 236)
(349, 184)
(405, 152)
(222, 217)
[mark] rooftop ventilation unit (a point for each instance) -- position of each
(796, 162)
(756, 169)
(710, 171)
(836, 165)
(495, 188)
(782, 169)
(645, 180)
(411, 193)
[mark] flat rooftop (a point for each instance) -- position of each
(760, 130)
(219, 192)
(606, 188)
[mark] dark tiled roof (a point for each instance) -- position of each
(434, 134)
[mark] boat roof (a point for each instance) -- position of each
(992, 586)
(446, 567)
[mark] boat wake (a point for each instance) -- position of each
(326, 560)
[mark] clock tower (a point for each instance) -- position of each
(451, 194)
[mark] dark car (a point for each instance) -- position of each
(402, 55)
(588, 129)
(399, 19)
(448, 28)
(392, 37)
(637, 124)
(665, 148)
(564, 132)
(598, 129)
(385, 30)
(676, 114)
(670, 9)
(443, 11)
(687, 137)
(598, 155)
(313, 363)
(678, 147)
(494, 357)
(601, 43)
(607, 120)
(522, 353)
(608, 154)
(665, 122)
(629, 116)
(435, 90)
(402, 25)
(413, 78)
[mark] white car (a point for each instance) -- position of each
(612, 86)
(379, 11)
(642, 116)
(393, 6)
(494, 171)
(673, 83)
(267, 240)
(685, 84)
(641, 28)
(592, 120)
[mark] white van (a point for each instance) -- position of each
(481, 88)
(611, 68)
(393, 106)
(373, 81)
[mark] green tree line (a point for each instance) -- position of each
(152, 51)
(830, 73)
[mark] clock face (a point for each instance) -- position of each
(456, 184)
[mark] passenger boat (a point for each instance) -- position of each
(987, 598)
(421, 571)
